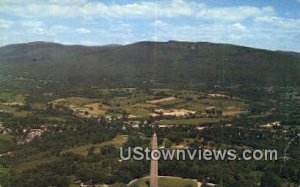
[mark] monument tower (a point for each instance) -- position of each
(154, 163)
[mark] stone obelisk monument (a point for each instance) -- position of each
(154, 163)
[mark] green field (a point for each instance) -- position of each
(166, 182)
(83, 150)
(6, 141)
(12, 97)
(10, 103)
(192, 121)
(138, 112)
(35, 162)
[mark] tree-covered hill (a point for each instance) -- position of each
(151, 63)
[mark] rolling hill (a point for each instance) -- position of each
(171, 63)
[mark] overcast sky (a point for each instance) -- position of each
(270, 24)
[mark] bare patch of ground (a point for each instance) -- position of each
(157, 101)
(232, 111)
(174, 112)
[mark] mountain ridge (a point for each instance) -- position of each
(140, 42)
(172, 63)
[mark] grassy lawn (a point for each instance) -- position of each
(53, 118)
(82, 105)
(166, 182)
(14, 111)
(79, 101)
(201, 106)
(39, 106)
(127, 101)
(223, 103)
(83, 150)
(9, 103)
(12, 97)
(139, 112)
(193, 105)
(4, 146)
(172, 104)
(6, 141)
(35, 162)
(6, 137)
(3, 170)
(193, 121)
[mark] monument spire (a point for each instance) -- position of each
(154, 163)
